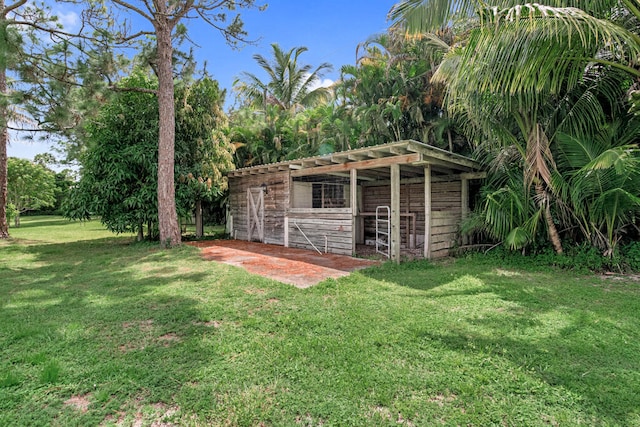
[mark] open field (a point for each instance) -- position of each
(98, 330)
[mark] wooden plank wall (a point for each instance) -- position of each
(335, 224)
(411, 200)
(446, 212)
(276, 200)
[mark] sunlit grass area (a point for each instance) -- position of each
(96, 329)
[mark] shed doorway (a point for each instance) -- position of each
(255, 205)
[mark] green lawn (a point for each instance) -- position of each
(98, 330)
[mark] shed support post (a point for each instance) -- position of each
(464, 192)
(286, 230)
(354, 209)
(427, 211)
(395, 213)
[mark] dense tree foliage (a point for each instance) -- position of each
(386, 96)
(30, 186)
(389, 93)
(162, 21)
(540, 89)
(118, 181)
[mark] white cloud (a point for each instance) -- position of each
(321, 83)
(69, 20)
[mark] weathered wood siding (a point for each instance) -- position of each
(276, 200)
(446, 205)
(446, 212)
(325, 228)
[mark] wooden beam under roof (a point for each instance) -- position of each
(339, 157)
(368, 175)
(399, 150)
(474, 175)
(443, 155)
(365, 164)
(357, 157)
(434, 161)
(374, 154)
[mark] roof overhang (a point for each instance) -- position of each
(412, 154)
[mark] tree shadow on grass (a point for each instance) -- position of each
(27, 222)
(105, 319)
(572, 333)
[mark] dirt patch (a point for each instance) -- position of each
(627, 277)
(126, 348)
(142, 325)
(79, 403)
(154, 415)
(209, 324)
(298, 267)
(167, 339)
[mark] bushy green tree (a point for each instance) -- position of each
(119, 180)
(203, 152)
(30, 186)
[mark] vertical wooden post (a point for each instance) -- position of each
(286, 229)
(427, 211)
(464, 193)
(395, 213)
(288, 205)
(360, 218)
(354, 209)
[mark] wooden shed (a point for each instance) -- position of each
(401, 196)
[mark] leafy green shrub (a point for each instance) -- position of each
(11, 212)
(631, 256)
(581, 259)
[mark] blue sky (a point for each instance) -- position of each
(330, 29)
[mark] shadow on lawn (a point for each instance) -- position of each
(32, 223)
(573, 334)
(76, 315)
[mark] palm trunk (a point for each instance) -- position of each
(167, 216)
(552, 231)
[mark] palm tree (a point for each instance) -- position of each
(290, 86)
(389, 91)
(602, 180)
(518, 59)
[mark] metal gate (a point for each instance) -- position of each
(383, 230)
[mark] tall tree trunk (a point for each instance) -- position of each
(167, 216)
(199, 221)
(4, 136)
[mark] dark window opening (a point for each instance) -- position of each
(328, 195)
